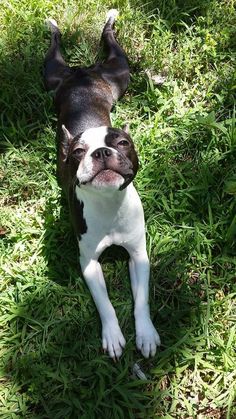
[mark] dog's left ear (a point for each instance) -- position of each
(126, 128)
(67, 134)
(66, 142)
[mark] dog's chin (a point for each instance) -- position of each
(106, 179)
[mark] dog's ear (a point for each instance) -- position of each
(67, 134)
(126, 128)
(65, 143)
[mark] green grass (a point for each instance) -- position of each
(51, 364)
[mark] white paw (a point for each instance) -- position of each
(112, 14)
(52, 24)
(112, 340)
(147, 338)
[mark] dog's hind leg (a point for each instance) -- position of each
(115, 69)
(113, 48)
(55, 68)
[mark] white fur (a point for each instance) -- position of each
(52, 24)
(116, 217)
(93, 138)
(112, 14)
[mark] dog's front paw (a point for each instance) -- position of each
(112, 340)
(147, 338)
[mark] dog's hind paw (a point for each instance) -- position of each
(112, 15)
(52, 25)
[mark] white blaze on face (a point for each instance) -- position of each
(92, 139)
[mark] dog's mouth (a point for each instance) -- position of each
(107, 178)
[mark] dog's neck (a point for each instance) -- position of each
(104, 199)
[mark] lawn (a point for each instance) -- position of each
(180, 107)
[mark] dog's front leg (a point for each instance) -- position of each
(147, 338)
(112, 338)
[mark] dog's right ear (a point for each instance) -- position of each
(65, 143)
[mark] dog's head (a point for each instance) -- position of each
(102, 158)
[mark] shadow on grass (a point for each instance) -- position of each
(26, 106)
(56, 361)
(174, 12)
(60, 248)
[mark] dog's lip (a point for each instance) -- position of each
(125, 176)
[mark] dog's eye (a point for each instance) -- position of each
(78, 152)
(123, 143)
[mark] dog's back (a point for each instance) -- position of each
(83, 101)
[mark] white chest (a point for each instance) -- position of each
(111, 218)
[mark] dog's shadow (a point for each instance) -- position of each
(25, 105)
(60, 249)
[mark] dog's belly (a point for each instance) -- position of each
(95, 241)
(115, 237)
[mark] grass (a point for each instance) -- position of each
(51, 360)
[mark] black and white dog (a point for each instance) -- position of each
(96, 166)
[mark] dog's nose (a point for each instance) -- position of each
(101, 153)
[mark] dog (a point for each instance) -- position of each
(96, 165)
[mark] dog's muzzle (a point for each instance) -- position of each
(105, 158)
